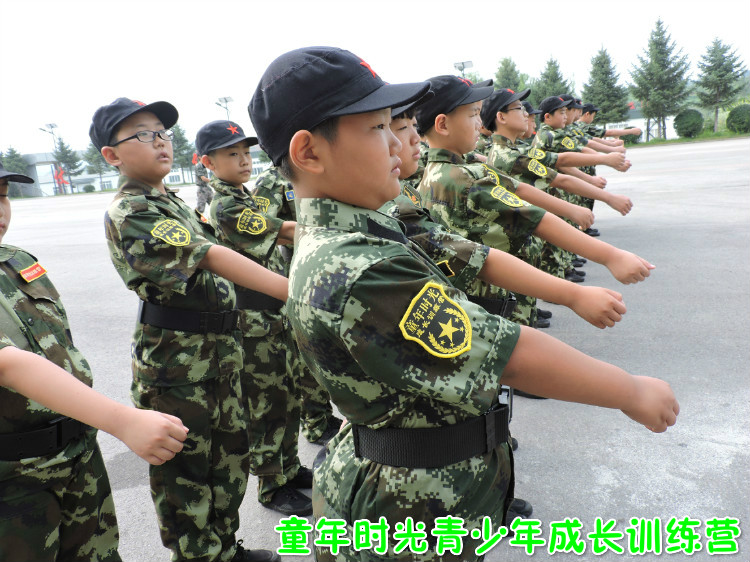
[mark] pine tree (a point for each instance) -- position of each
(507, 75)
(69, 161)
(182, 149)
(721, 78)
(550, 83)
(660, 81)
(95, 162)
(13, 162)
(603, 90)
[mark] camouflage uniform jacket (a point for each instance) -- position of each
(243, 227)
(358, 289)
(484, 144)
(274, 196)
(156, 242)
(33, 318)
(554, 140)
(527, 164)
(597, 131)
(459, 259)
(200, 170)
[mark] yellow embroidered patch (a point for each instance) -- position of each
(567, 143)
(32, 272)
(536, 153)
(538, 168)
(251, 222)
(437, 323)
(172, 232)
(506, 197)
(445, 268)
(412, 194)
(262, 203)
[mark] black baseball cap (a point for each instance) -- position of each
(395, 111)
(589, 108)
(304, 87)
(574, 103)
(219, 134)
(552, 104)
(498, 100)
(12, 176)
(450, 93)
(108, 117)
(530, 108)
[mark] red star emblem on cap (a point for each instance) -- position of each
(511, 91)
(368, 67)
(232, 129)
(138, 102)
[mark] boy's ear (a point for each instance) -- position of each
(110, 155)
(304, 152)
(441, 124)
(207, 162)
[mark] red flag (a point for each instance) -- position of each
(195, 158)
(631, 105)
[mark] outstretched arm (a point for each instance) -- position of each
(571, 184)
(153, 436)
(579, 215)
(244, 271)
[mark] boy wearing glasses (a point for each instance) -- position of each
(186, 351)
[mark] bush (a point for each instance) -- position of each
(688, 123)
(738, 120)
(89, 188)
(631, 139)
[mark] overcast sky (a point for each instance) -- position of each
(63, 59)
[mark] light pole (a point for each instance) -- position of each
(224, 102)
(50, 128)
(461, 66)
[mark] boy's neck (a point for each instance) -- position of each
(239, 187)
(158, 186)
(438, 143)
(507, 133)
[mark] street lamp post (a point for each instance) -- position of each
(224, 102)
(461, 66)
(50, 128)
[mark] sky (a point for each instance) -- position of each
(62, 60)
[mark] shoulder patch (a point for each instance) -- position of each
(567, 143)
(437, 323)
(251, 222)
(537, 167)
(33, 272)
(262, 203)
(289, 194)
(172, 232)
(412, 194)
(510, 199)
(535, 153)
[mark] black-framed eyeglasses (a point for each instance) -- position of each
(149, 136)
(520, 108)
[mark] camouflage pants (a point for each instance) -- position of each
(58, 509)
(204, 197)
(271, 392)
(198, 493)
(316, 410)
(353, 489)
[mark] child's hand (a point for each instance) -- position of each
(617, 161)
(598, 306)
(653, 404)
(153, 436)
(620, 203)
(598, 181)
(582, 216)
(628, 268)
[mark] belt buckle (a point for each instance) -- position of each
(209, 322)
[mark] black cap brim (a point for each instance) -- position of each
(12, 176)
(232, 142)
(429, 94)
(388, 95)
(165, 111)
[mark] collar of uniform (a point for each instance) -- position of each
(328, 213)
(443, 155)
(223, 188)
(7, 252)
(136, 187)
(497, 138)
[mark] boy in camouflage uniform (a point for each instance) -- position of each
(269, 390)
(55, 497)
(204, 193)
(407, 359)
(186, 352)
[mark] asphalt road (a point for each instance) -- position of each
(688, 324)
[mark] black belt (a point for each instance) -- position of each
(194, 321)
(40, 442)
(432, 447)
(247, 299)
(501, 307)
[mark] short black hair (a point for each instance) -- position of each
(408, 114)
(328, 129)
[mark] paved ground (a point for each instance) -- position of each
(688, 323)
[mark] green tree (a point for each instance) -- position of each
(660, 80)
(95, 162)
(474, 76)
(14, 162)
(183, 150)
(720, 80)
(550, 83)
(603, 90)
(69, 161)
(507, 75)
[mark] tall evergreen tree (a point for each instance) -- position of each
(660, 80)
(550, 83)
(13, 162)
(603, 90)
(721, 78)
(507, 75)
(183, 150)
(95, 162)
(69, 161)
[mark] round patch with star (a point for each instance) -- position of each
(437, 323)
(172, 232)
(251, 222)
